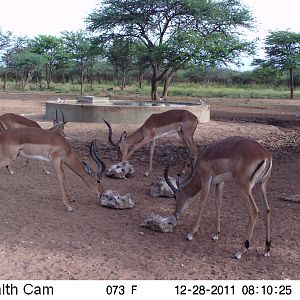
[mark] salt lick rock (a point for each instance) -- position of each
(113, 200)
(160, 223)
(159, 188)
(120, 170)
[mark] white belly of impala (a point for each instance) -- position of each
(167, 133)
(222, 177)
(34, 156)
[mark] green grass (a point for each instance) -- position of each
(176, 89)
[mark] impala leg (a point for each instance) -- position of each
(6, 161)
(45, 169)
(262, 191)
(152, 146)
(9, 169)
(253, 214)
(27, 163)
(218, 204)
(57, 164)
(203, 199)
(137, 146)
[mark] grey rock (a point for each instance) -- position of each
(114, 200)
(160, 223)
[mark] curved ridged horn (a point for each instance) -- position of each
(110, 134)
(101, 165)
(56, 117)
(167, 179)
(63, 116)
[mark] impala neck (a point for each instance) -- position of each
(134, 138)
(192, 187)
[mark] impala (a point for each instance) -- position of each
(13, 121)
(156, 126)
(240, 159)
(50, 146)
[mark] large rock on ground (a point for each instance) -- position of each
(159, 188)
(114, 200)
(160, 223)
(120, 171)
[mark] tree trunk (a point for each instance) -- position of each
(291, 84)
(141, 77)
(154, 83)
(167, 81)
(5, 79)
(47, 76)
(81, 77)
(123, 80)
(154, 94)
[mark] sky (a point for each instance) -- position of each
(34, 17)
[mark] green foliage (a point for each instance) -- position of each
(5, 39)
(283, 50)
(174, 33)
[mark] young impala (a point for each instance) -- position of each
(50, 146)
(156, 126)
(13, 121)
(236, 158)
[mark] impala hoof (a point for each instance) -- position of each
(215, 237)
(267, 254)
(238, 255)
(146, 174)
(189, 237)
(69, 209)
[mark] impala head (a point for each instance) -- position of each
(120, 145)
(101, 168)
(59, 125)
(182, 201)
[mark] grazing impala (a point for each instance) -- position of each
(236, 158)
(50, 146)
(156, 126)
(13, 121)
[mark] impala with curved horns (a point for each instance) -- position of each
(13, 121)
(179, 121)
(240, 159)
(51, 146)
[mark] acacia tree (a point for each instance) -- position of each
(175, 32)
(26, 64)
(120, 55)
(52, 49)
(282, 54)
(81, 49)
(6, 40)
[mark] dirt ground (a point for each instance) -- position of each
(40, 240)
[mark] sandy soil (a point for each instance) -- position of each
(40, 240)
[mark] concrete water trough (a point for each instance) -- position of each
(95, 109)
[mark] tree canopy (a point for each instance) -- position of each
(175, 33)
(282, 50)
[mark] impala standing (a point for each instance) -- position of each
(240, 159)
(13, 121)
(50, 146)
(156, 126)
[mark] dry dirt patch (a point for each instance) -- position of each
(40, 240)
